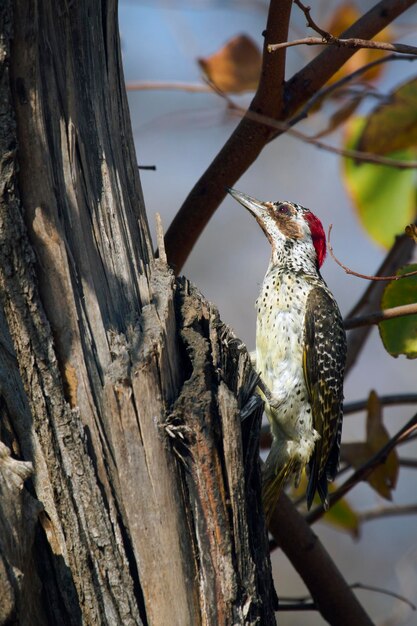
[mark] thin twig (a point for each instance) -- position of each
(284, 607)
(405, 436)
(385, 592)
(208, 87)
(410, 463)
(297, 599)
(168, 86)
(358, 155)
(345, 43)
(275, 98)
(389, 400)
(381, 316)
(327, 91)
(366, 469)
(364, 276)
(310, 22)
(285, 602)
(387, 511)
(399, 255)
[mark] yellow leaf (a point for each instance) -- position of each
(236, 67)
(342, 516)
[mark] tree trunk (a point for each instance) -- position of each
(122, 392)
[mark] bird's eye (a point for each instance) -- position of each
(283, 209)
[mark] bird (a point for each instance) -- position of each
(300, 352)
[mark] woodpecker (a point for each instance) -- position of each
(300, 352)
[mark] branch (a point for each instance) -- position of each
(310, 22)
(168, 86)
(380, 316)
(409, 463)
(358, 155)
(273, 99)
(316, 568)
(328, 90)
(366, 469)
(364, 276)
(208, 87)
(391, 400)
(399, 254)
(345, 43)
(385, 592)
(327, 38)
(388, 511)
(240, 151)
(305, 83)
(285, 607)
(305, 601)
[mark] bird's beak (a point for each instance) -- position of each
(256, 207)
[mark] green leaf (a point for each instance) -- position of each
(392, 126)
(384, 197)
(399, 335)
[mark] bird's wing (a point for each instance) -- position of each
(323, 363)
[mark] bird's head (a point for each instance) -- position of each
(282, 221)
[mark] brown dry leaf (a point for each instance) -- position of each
(236, 67)
(344, 16)
(384, 478)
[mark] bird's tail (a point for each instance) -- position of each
(276, 472)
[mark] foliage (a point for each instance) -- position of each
(383, 197)
(235, 67)
(384, 478)
(392, 125)
(400, 335)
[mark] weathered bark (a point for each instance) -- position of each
(223, 495)
(123, 390)
(19, 584)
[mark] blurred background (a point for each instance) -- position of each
(180, 133)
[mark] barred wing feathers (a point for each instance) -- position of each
(323, 364)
